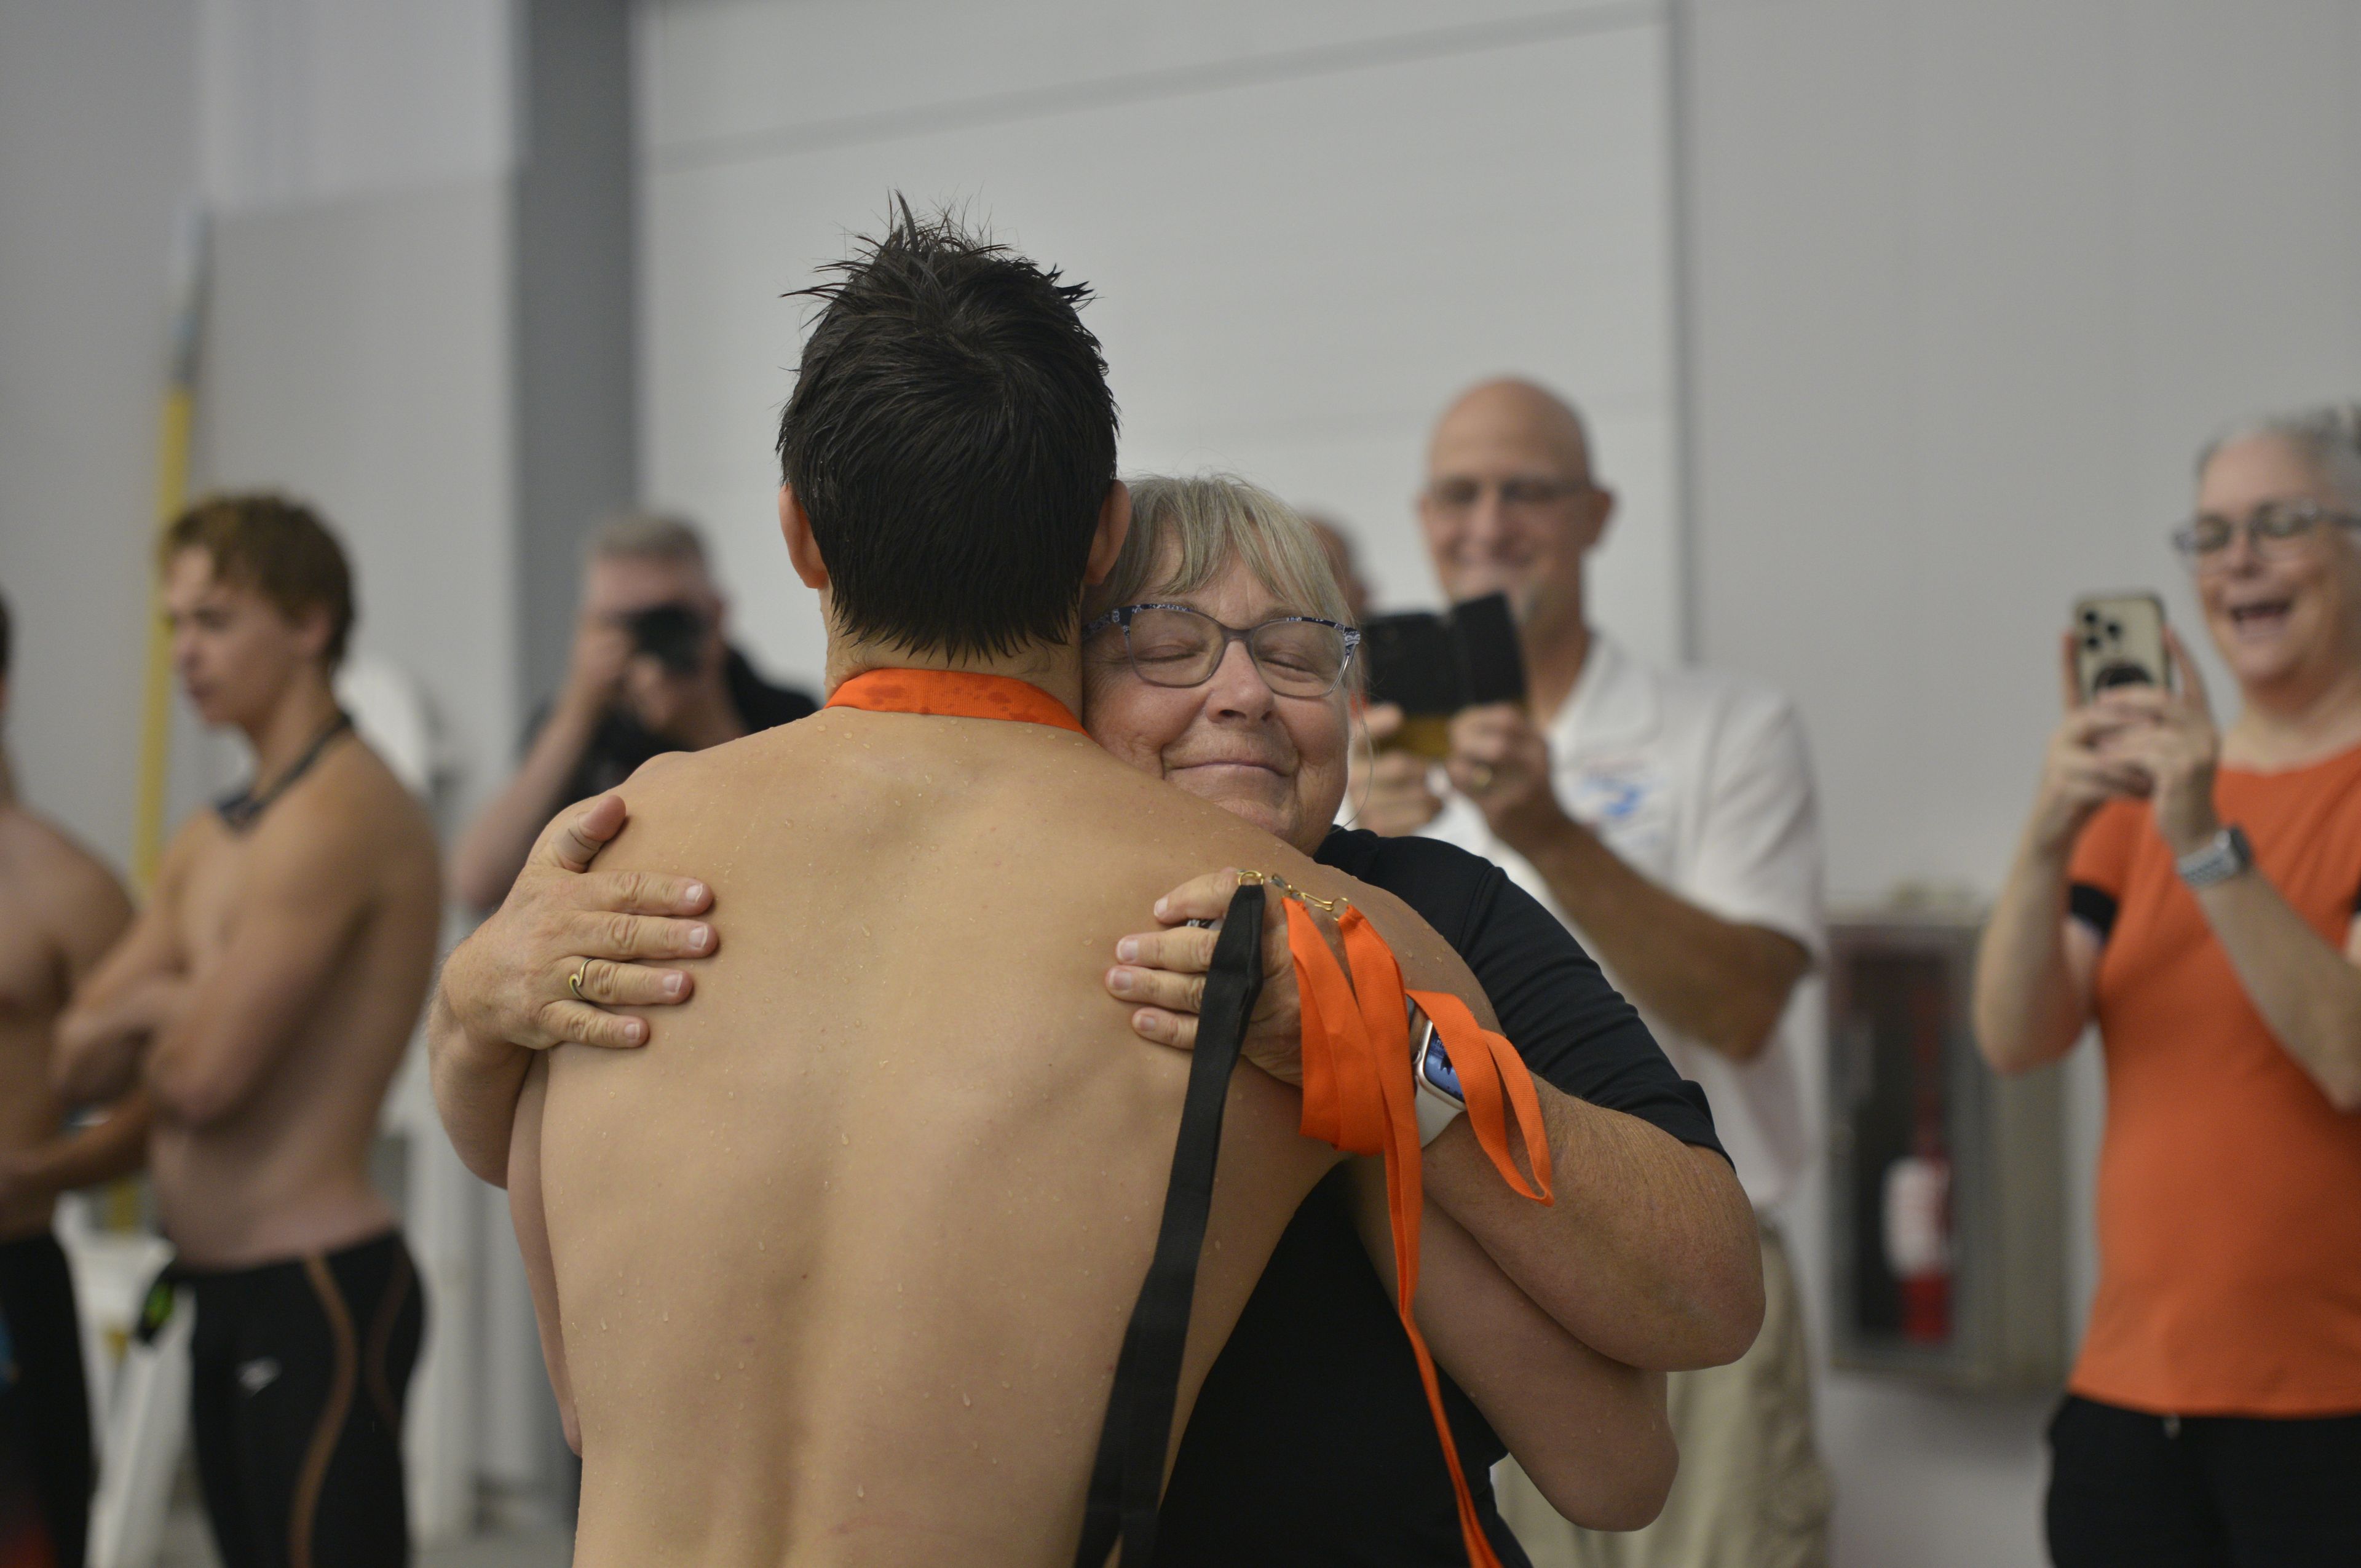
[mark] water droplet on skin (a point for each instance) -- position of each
(968, 1403)
(860, 1491)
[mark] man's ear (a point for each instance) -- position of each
(311, 625)
(1107, 540)
(794, 523)
(1596, 516)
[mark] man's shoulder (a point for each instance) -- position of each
(51, 862)
(353, 812)
(670, 791)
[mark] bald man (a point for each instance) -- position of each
(1667, 817)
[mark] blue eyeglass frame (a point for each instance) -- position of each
(1121, 616)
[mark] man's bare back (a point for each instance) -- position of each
(60, 908)
(842, 1264)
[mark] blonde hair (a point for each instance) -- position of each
(649, 536)
(1193, 526)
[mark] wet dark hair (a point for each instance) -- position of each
(952, 438)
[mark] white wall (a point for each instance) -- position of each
(1968, 283)
(96, 104)
(1278, 206)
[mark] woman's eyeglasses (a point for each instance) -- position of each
(1172, 645)
(2275, 529)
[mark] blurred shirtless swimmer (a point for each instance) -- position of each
(839, 1272)
(263, 999)
(59, 909)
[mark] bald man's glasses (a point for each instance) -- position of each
(1524, 493)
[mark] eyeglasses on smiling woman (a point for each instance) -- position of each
(1172, 645)
(2277, 530)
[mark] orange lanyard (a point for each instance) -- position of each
(953, 694)
(1358, 1097)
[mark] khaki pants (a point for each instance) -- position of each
(1751, 1492)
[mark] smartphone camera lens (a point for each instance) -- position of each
(2115, 631)
(2090, 618)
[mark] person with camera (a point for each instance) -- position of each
(2191, 889)
(651, 673)
(1665, 817)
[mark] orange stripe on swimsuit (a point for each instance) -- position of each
(1358, 1097)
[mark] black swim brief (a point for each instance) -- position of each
(299, 1372)
(46, 1472)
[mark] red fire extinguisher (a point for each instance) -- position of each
(1918, 1188)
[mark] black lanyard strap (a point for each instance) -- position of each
(1127, 1478)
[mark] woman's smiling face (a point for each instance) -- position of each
(1279, 761)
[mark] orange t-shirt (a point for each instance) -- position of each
(2229, 1200)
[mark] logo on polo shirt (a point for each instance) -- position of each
(1626, 801)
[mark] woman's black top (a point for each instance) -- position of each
(1310, 1442)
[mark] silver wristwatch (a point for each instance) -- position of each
(2226, 855)
(1440, 1100)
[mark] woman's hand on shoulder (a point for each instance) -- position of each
(1162, 974)
(569, 943)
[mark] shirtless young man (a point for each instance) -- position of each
(60, 908)
(263, 1000)
(839, 1272)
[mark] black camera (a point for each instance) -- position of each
(671, 634)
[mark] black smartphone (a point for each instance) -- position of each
(1432, 665)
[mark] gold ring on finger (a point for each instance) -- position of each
(574, 981)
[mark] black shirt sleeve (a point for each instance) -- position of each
(2094, 907)
(1570, 1027)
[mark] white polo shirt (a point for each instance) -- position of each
(1700, 782)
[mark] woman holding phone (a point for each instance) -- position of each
(2192, 889)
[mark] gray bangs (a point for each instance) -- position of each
(2328, 435)
(1200, 524)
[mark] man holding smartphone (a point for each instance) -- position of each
(651, 673)
(1667, 817)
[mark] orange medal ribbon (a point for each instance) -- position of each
(1358, 1096)
(954, 694)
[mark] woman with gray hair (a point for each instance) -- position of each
(1219, 656)
(2192, 890)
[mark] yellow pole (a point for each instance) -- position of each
(156, 705)
(172, 432)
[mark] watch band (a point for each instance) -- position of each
(1440, 1102)
(2228, 854)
